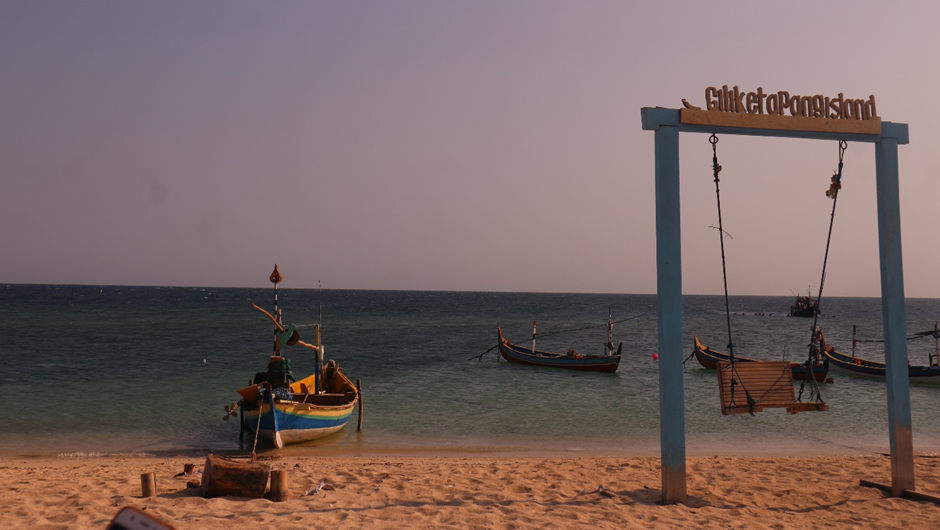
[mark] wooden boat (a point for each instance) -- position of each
(804, 307)
(276, 407)
(299, 415)
(572, 360)
(857, 366)
(710, 359)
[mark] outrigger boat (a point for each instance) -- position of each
(710, 359)
(857, 366)
(571, 360)
(285, 411)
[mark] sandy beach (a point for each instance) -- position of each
(476, 492)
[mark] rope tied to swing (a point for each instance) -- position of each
(833, 193)
(736, 379)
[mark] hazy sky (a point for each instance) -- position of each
(446, 145)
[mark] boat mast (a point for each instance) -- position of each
(610, 335)
(936, 344)
(854, 342)
(317, 359)
(276, 278)
(534, 324)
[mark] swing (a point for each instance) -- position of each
(766, 384)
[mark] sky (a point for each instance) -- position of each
(447, 145)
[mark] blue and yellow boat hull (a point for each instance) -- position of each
(305, 415)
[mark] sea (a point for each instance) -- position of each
(108, 370)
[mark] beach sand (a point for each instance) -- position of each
(477, 492)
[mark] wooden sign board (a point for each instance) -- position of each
(731, 107)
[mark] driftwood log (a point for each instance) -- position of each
(237, 479)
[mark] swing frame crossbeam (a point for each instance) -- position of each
(667, 124)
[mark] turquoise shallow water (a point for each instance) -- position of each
(105, 369)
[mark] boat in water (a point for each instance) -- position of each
(710, 359)
(284, 410)
(571, 360)
(804, 306)
(857, 366)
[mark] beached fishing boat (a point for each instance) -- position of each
(283, 410)
(710, 358)
(571, 360)
(857, 366)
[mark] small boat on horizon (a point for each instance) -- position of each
(571, 360)
(710, 359)
(804, 306)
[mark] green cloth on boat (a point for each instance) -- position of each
(280, 367)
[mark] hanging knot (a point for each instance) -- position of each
(834, 186)
(836, 183)
(716, 167)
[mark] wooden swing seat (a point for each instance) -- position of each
(770, 384)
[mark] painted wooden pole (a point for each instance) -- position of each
(893, 316)
(669, 311)
(148, 484)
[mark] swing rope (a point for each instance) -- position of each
(716, 168)
(832, 193)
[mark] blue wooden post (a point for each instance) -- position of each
(669, 311)
(892, 310)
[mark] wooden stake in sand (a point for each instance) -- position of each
(148, 484)
(280, 490)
